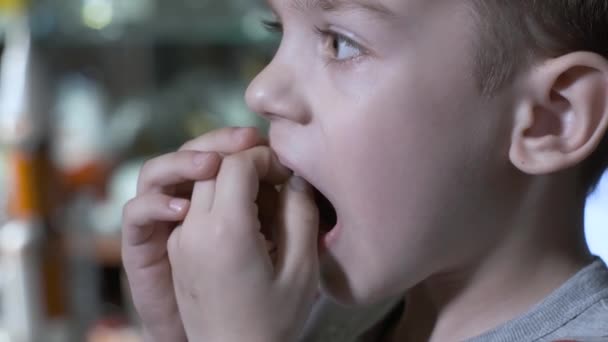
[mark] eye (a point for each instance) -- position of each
(340, 47)
(344, 48)
(273, 26)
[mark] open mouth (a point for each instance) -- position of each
(328, 224)
(328, 217)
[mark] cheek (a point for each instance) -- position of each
(392, 170)
(405, 140)
(397, 146)
(398, 158)
(407, 124)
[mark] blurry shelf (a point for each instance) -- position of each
(175, 22)
(152, 35)
(105, 250)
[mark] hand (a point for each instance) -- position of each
(227, 286)
(163, 192)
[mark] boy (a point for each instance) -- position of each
(453, 142)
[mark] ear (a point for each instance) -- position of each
(562, 113)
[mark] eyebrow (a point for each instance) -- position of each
(373, 6)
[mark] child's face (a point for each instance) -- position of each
(381, 113)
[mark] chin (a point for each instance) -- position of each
(346, 291)
(350, 285)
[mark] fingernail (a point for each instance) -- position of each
(178, 204)
(298, 184)
(200, 159)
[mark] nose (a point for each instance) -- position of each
(274, 93)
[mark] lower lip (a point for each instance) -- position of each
(328, 239)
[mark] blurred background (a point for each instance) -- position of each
(89, 89)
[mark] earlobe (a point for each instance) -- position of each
(562, 113)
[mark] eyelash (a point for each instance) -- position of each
(275, 26)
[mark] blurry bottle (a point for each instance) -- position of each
(31, 293)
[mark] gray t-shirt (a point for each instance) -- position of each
(578, 310)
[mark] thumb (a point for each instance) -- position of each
(297, 229)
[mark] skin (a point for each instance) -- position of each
(195, 246)
(443, 195)
(374, 111)
(226, 284)
(435, 186)
(163, 199)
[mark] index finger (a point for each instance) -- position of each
(239, 177)
(225, 140)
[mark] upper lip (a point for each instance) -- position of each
(285, 161)
(302, 173)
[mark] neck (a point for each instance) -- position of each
(545, 248)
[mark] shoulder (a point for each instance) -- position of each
(589, 325)
(592, 321)
(578, 311)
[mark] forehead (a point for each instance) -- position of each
(387, 9)
(376, 6)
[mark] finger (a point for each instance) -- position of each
(175, 168)
(239, 177)
(266, 201)
(202, 198)
(226, 140)
(184, 190)
(297, 230)
(141, 213)
(188, 165)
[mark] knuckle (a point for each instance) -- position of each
(148, 166)
(145, 171)
(127, 209)
(211, 161)
(239, 160)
